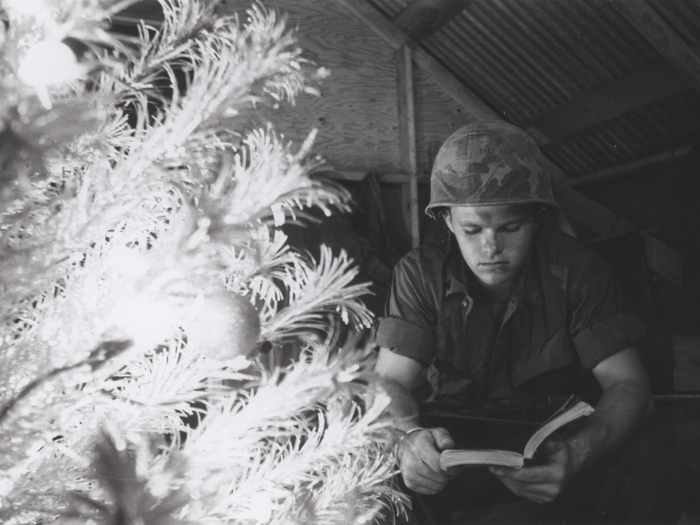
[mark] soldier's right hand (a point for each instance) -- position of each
(419, 455)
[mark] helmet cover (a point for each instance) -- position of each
(489, 163)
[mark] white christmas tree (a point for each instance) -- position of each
(143, 271)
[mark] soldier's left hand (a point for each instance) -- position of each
(541, 483)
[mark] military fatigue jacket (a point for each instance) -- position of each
(566, 315)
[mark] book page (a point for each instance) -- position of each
(505, 458)
(559, 419)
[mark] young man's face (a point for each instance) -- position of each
(494, 240)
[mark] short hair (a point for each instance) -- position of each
(535, 209)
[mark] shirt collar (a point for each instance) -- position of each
(456, 271)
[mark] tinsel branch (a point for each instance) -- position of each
(104, 352)
(129, 212)
(330, 425)
(315, 291)
(259, 268)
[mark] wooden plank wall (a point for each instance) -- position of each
(437, 116)
(356, 114)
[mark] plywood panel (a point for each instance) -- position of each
(437, 117)
(356, 114)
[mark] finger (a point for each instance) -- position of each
(541, 490)
(453, 471)
(432, 472)
(423, 462)
(552, 470)
(536, 493)
(441, 476)
(429, 459)
(503, 471)
(522, 475)
(442, 439)
(552, 447)
(525, 473)
(420, 461)
(420, 448)
(425, 447)
(416, 467)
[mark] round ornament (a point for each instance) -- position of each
(224, 325)
(49, 62)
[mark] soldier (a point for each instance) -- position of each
(506, 307)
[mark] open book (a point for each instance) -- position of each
(570, 411)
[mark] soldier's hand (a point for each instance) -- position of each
(419, 455)
(540, 483)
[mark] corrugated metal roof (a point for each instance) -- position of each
(526, 57)
(682, 15)
(665, 125)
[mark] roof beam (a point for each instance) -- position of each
(579, 207)
(632, 91)
(421, 18)
(590, 213)
(662, 36)
(640, 88)
(623, 170)
(636, 166)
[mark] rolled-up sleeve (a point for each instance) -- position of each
(600, 326)
(608, 337)
(408, 326)
(406, 339)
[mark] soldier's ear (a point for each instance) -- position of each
(447, 217)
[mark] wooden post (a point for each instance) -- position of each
(407, 140)
(430, 67)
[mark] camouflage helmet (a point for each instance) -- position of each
(489, 163)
